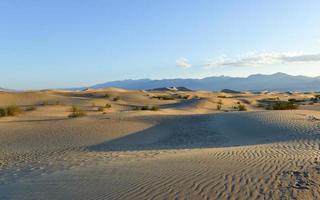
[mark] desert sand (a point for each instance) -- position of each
(188, 149)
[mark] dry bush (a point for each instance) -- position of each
(12, 110)
(76, 112)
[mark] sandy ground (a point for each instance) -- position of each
(186, 150)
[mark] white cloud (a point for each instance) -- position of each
(183, 62)
(253, 59)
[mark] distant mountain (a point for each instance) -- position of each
(181, 89)
(231, 91)
(257, 82)
(2, 89)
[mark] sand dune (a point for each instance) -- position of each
(186, 150)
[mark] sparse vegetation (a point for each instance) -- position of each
(147, 107)
(154, 108)
(107, 106)
(297, 100)
(12, 110)
(315, 99)
(31, 108)
(76, 112)
(283, 105)
(183, 97)
(116, 98)
(219, 104)
(100, 109)
(3, 112)
(164, 97)
(45, 103)
(241, 107)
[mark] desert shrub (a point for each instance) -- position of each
(183, 96)
(136, 108)
(76, 112)
(45, 103)
(222, 96)
(246, 101)
(3, 112)
(116, 98)
(292, 100)
(93, 104)
(283, 105)
(107, 106)
(101, 109)
(219, 104)
(152, 108)
(144, 108)
(314, 100)
(242, 107)
(107, 96)
(31, 108)
(164, 97)
(297, 100)
(13, 110)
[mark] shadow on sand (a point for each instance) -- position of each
(204, 131)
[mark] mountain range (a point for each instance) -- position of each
(258, 82)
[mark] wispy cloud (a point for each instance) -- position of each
(253, 59)
(183, 62)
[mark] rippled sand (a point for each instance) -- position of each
(170, 154)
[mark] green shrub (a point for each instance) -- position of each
(241, 107)
(283, 105)
(13, 110)
(3, 112)
(76, 112)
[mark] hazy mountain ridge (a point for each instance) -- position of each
(256, 82)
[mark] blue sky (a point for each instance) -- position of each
(56, 44)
